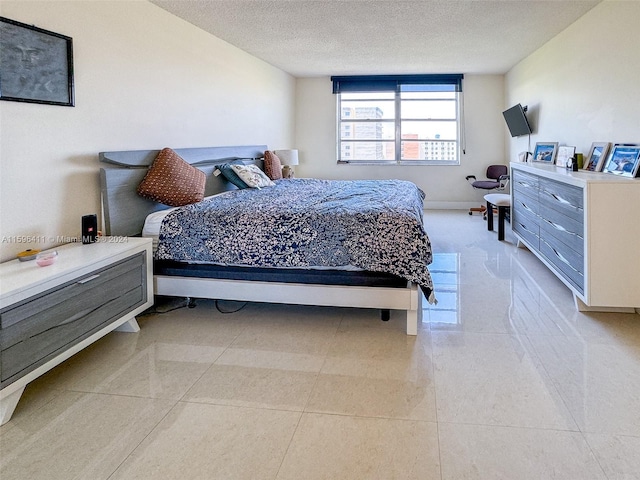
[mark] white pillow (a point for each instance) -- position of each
(253, 176)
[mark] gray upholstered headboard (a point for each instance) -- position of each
(124, 211)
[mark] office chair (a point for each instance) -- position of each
(498, 179)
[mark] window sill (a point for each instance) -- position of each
(402, 163)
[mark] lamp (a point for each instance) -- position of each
(288, 158)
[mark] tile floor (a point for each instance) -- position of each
(505, 380)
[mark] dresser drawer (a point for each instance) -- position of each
(569, 231)
(563, 198)
(568, 262)
(34, 331)
(525, 224)
(525, 183)
(526, 204)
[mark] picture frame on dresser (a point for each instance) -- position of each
(597, 155)
(624, 160)
(565, 154)
(545, 152)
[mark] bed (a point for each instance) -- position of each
(180, 270)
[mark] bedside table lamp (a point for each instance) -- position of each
(288, 158)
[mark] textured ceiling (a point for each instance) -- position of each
(344, 37)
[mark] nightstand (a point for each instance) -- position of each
(47, 314)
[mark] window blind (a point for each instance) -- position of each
(397, 83)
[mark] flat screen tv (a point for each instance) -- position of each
(517, 121)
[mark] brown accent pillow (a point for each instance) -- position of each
(172, 181)
(272, 165)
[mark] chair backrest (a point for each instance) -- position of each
(496, 171)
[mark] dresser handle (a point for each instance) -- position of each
(561, 200)
(526, 229)
(526, 207)
(88, 279)
(560, 256)
(561, 228)
(564, 260)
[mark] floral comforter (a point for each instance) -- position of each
(374, 225)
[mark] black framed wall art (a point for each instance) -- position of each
(36, 65)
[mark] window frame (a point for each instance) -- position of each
(375, 84)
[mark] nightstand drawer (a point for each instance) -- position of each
(37, 329)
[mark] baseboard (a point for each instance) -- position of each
(450, 205)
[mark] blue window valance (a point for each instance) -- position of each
(395, 83)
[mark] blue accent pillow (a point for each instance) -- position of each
(231, 175)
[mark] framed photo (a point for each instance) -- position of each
(597, 155)
(564, 155)
(36, 66)
(623, 160)
(545, 152)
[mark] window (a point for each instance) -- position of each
(405, 119)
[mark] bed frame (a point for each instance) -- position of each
(124, 213)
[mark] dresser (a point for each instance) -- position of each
(49, 313)
(585, 227)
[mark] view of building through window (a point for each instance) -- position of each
(399, 126)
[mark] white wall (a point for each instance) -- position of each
(144, 79)
(445, 186)
(582, 86)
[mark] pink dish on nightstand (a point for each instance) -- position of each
(45, 259)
